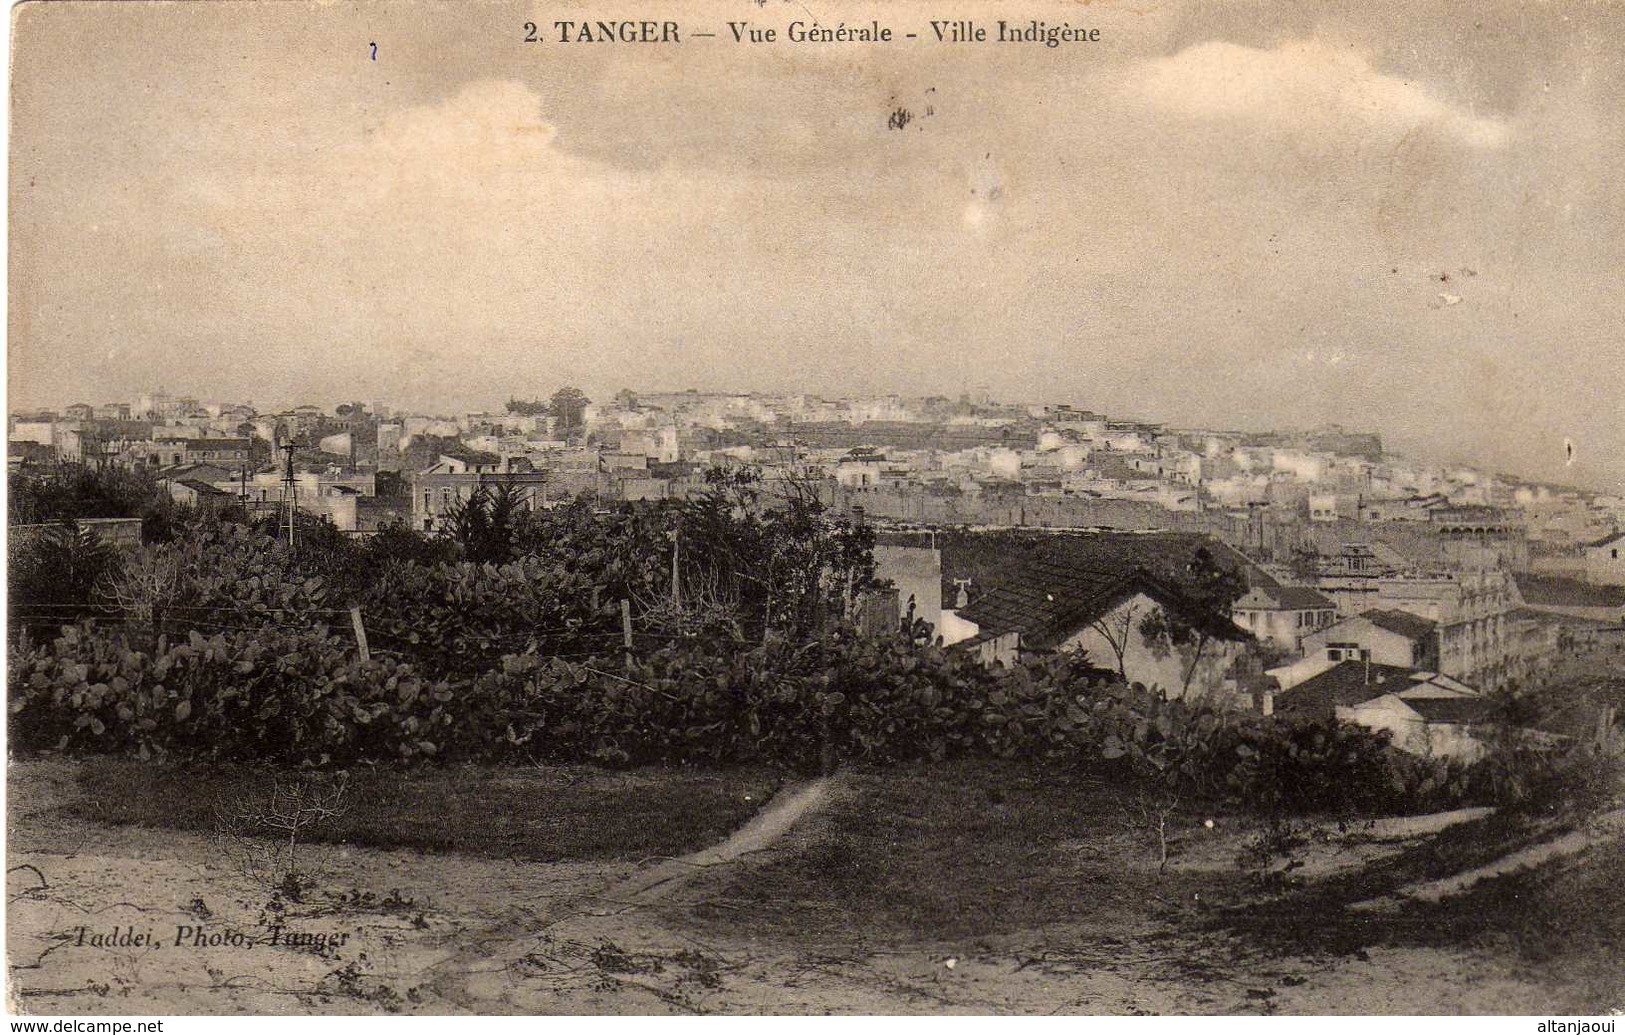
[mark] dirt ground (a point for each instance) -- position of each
(407, 932)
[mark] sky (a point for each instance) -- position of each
(1402, 218)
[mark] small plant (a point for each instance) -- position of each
(612, 959)
(1280, 839)
(262, 835)
(1148, 812)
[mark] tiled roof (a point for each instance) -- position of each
(1452, 709)
(202, 488)
(1412, 627)
(471, 456)
(1343, 685)
(992, 559)
(1051, 602)
(1556, 591)
(1286, 598)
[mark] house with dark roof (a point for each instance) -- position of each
(1382, 635)
(1283, 615)
(1426, 713)
(1433, 727)
(1112, 616)
(1342, 685)
(1560, 595)
(197, 493)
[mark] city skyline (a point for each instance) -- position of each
(1392, 450)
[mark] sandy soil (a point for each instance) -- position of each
(415, 933)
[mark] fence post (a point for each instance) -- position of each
(626, 629)
(360, 633)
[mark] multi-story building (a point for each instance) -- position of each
(452, 481)
(1470, 608)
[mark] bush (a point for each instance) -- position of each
(218, 575)
(301, 696)
(55, 576)
(274, 695)
(463, 618)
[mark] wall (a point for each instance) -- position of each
(1149, 664)
(121, 533)
(1605, 565)
(1386, 646)
(916, 571)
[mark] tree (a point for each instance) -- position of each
(66, 491)
(1116, 629)
(488, 523)
(1209, 589)
(390, 485)
(526, 407)
(54, 575)
(569, 408)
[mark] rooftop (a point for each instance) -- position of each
(1344, 685)
(1051, 601)
(1286, 598)
(1412, 627)
(1452, 709)
(1558, 591)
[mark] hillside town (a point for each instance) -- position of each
(1364, 586)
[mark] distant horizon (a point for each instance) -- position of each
(1387, 215)
(600, 395)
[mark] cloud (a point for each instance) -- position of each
(1304, 85)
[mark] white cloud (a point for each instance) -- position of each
(1304, 85)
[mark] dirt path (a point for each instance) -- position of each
(512, 970)
(765, 828)
(1607, 827)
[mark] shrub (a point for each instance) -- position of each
(54, 577)
(463, 618)
(301, 696)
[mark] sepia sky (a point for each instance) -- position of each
(1405, 218)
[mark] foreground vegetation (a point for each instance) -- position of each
(535, 814)
(502, 641)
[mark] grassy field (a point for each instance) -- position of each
(988, 853)
(975, 849)
(964, 886)
(1566, 919)
(543, 814)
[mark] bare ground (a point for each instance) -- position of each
(444, 933)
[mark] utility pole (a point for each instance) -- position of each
(676, 582)
(626, 630)
(290, 490)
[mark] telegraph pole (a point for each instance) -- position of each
(290, 490)
(676, 583)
